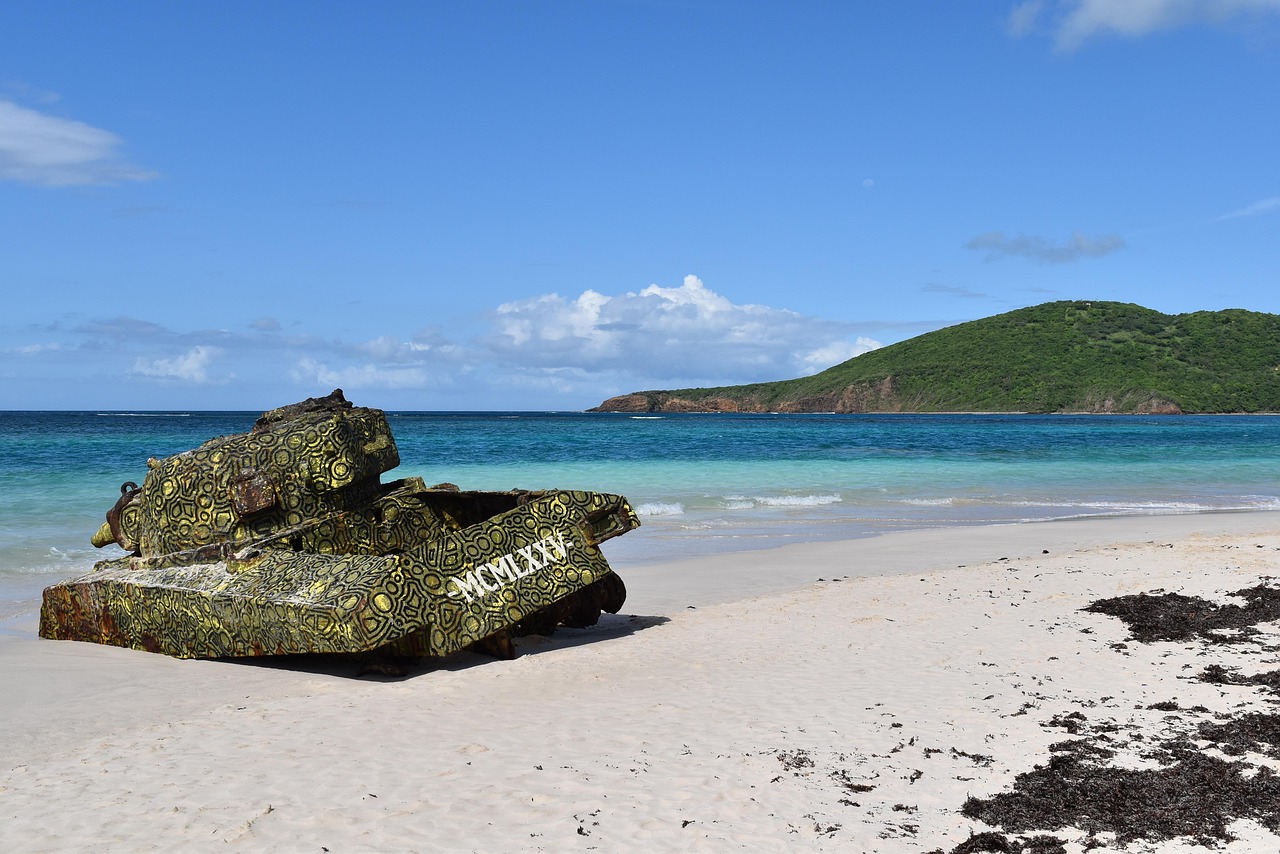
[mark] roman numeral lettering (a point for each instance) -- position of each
(507, 569)
(527, 554)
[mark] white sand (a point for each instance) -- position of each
(735, 725)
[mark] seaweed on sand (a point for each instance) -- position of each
(1173, 616)
(1197, 796)
(1193, 793)
(1216, 674)
(998, 842)
(1257, 731)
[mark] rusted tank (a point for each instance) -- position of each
(284, 540)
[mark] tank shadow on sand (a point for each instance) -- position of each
(372, 667)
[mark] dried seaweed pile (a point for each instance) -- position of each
(1192, 793)
(1219, 675)
(1195, 796)
(1174, 617)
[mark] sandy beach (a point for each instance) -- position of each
(840, 696)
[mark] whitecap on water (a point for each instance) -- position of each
(797, 500)
(658, 508)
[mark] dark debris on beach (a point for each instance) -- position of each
(1196, 796)
(1175, 617)
(1219, 675)
(998, 842)
(1193, 793)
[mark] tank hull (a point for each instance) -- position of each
(438, 597)
(284, 540)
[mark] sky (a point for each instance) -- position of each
(518, 205)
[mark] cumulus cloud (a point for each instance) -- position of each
(837, 352)
(1073, 22)
(546, 351)
(188, 367)
(37, 148)
(426, 348)
(669, 333)
(391, 349)
(997, 245)
(316, 373)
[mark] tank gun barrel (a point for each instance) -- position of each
(284, 540)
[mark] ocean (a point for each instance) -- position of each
(701, 483)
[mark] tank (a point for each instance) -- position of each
(284, 540)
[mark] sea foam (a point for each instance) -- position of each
(740, 502)
(659, 508)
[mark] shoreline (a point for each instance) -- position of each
(817, 696)
(670, 583)
(1066, 412)
(707, 579)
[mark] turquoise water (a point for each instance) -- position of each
(701, 483)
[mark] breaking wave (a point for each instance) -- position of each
(658, 508)
(741, 502)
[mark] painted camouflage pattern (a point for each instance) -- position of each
(283, 540)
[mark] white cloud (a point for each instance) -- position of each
(954, 291)
(22, 90)
(124, 327)
(426, 348)
(1023, 18)
(1077, 21)
(188, 367)
(689, 332)
(837, 352)
(543, 352)
(37, 148)
(314, 372)
(1042, 249)
(265, 324)
(1255, 209)
(35, 349)
(388, 348)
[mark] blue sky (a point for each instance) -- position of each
(537, 205)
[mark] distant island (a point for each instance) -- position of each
(1059, 357)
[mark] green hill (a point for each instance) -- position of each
(1058, 357)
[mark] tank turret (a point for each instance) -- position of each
(285, 540)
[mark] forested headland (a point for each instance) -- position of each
(1068, 356)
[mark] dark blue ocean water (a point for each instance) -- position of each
(700, 482)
